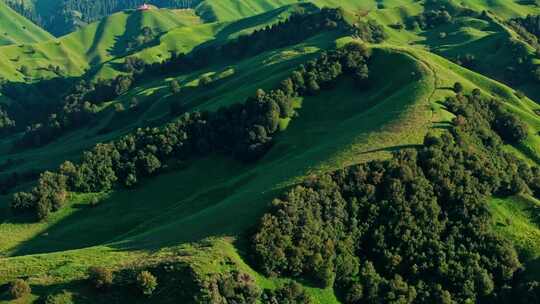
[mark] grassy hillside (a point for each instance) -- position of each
(15, 29)
(97, 51)
(193, 204)
(203, 212)
(197, 199)
(91, 46)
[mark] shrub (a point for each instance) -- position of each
(60, 298)
(100, 277)
(291, 293)
(146, 282)
(174, 86)
(205, 81)
(511, 129)
(19, 288)
(458, 87)
(536, 74)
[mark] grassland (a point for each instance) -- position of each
(205, 209)
(15, 29)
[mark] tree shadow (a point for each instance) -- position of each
(392, 149)
(121, 47)
(264, 18)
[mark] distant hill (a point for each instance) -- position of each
(113, 36)
(16, 29)
(233, 9)
(62, 17)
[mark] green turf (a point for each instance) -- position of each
(15, 29)
(204, 207)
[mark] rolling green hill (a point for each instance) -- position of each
(91, 46)
(199, 213)
(63, 17)
(15, 29)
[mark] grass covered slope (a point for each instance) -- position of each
(99, 49)
(203, 211)
(15, 29)
(222, 10)
(92, 45)
(205, 200)
(196, 199)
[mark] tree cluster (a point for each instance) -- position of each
(242, 130)
(529, 29)
(78, 107)
(430, 19)
(290, 293)
(77, 110)
(298, 27)
(412, 229)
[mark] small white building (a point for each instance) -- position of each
(144, 7)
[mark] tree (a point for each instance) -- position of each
(51, 193)
(536, 74)
(458, 88)
(100, 278)
(290, 293)
(205, 81)
(23, 201)
(123, 83)
(19, 288)
(146, 282)
(24, 70)
(174, 86)
(511, 129)
(148, 162)
(63, 297)
(119, 107)
(134, 103)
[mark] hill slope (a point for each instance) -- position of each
(15, 29)
(200, 212)
(92, 45)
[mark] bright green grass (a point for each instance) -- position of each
(205, 199)
(514, 218)
(181, 207)
(15, 29)
(92, 45)
(98, 49)
(220, 198)
(517, 219)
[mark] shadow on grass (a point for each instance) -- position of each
(393, 148)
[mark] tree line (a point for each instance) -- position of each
(414, 228)
(242, 130)
(79, 107)
(174, 280)
(529, 29)
(438, 13)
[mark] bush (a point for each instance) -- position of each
(205, 81)
(536, 74)
(511, 129)
(19, 288)
(100, 277)
(233, 287)
(61, 298)
(458, 88)
(146, 282)
(291, 293)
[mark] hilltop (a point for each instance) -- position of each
(63, 17)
